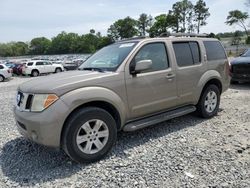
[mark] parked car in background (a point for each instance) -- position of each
(35, 68)
(5, 72)
(126, 86)
(70, 65)
(240, 68)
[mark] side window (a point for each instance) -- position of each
(30, 64)
(187, 53)
(183, 54)
(39, 63)
(47, 63)
(214, 50)
(157, 53)
(1, 67)
(194, 46)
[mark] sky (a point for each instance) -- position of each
(22, 20)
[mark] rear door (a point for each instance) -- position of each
(154, 90)
(190, 68)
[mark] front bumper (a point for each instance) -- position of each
(241, 77)
(44, 127)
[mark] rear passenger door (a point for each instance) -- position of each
(190, 68)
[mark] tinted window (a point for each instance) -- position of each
(39, 63)
(246, 53)
(214, 50)
(183, 54)
(1, 67)
(195, 52)
(29, 64)
(47, 63)
(156, 52)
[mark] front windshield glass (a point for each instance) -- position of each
(246, 54)
(109, 58)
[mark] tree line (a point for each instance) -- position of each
(184, 16)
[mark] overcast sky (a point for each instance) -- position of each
(22, 20)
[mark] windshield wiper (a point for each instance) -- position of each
(93, 69)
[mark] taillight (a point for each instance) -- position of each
(9, 71)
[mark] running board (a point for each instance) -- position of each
(145, 122)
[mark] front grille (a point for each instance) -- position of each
(24, 101)
(241, 69)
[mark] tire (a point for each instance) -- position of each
(35, 73)
(58, 70)
(86, 150)
(209, 102)
(1, 78)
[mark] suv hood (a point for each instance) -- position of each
(241, 60)
(62, 83)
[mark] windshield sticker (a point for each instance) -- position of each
(126, 45)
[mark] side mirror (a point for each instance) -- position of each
(142, 66)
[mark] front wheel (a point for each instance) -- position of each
(58, 70)
(209, 102)
(89, 135)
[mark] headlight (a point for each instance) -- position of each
(42, 101)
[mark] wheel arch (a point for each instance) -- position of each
(211, 77)
(111, 109)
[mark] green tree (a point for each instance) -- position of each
(144, 23)
(236, 17)
(161, 25)
(65, 43)
(39, 46)
(182, 11)
(123, 28)
(201, 14)
(20, 48)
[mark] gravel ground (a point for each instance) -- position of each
(183, 152)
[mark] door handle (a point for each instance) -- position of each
(170, 76)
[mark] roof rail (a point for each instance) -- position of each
(133, 38)
(183, 35)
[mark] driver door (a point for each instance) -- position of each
(153, 90)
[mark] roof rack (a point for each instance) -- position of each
(183, 35)
(133, 38)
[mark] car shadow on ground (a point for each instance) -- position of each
(240, 86)
(27, 163)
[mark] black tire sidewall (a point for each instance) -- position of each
(2, 78)
(201, 106)
(77, 120)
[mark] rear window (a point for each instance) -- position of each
(1, 67)
(30, 64)
(214, 50)
(187, 53)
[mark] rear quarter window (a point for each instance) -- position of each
(1, 67)
(30, 64)
(214, 50)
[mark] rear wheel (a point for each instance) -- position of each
(89, 135)
(1, 78)
(34, 73)
(209, 102)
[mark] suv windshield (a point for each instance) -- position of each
(246, 54)
(108, 58)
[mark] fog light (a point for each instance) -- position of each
(34, 135)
